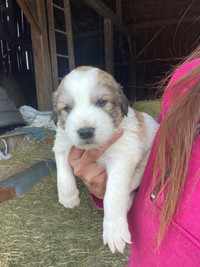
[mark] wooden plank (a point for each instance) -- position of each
(133, 78)
(106, 12)
(150, 41)
(7, 193)
(22, 181)
(60, 31)
(42, 66)
(153, 60)
(108, 44)
(57, 6)
(164, 22)
(119, 10)
(52, 43)
(10, 135)
(32, 19)
(43, 78)
(68, 25)
(61, 55)
(36, 16)
(87, 34)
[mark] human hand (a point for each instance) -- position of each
(92, 174)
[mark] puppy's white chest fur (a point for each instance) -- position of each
(91, 107)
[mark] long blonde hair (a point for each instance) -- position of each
(175, 139)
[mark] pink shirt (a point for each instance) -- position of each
(181, 244)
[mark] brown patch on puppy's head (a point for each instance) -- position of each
(60, 102)
(84, 68)
(117, 103)
(104, 89)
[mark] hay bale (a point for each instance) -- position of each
(152, 107)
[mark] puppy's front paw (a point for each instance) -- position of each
(70, 200)
(116, 234)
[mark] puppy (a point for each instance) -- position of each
(90, 107)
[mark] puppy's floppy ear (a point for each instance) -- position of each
(55, 111)
(125, 104)
(123, 100)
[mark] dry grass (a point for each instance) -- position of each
(37, 231)
(26, 151)
(151, 107)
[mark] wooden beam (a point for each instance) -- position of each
(7, 193)
(87, 34)
(42, 64)
(164, 22)
(133, 78)
(106, 12)
(119, 10)
(68, 26)
(41, 57)
(153, 60)
(52, 43)
(150, 41)
(108, 44)
(29, 15)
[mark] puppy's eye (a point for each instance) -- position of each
(101, 103)
(67, 109)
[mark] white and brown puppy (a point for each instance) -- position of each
(90, 107)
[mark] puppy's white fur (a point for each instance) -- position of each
(76, 103)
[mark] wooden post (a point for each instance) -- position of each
(52, 43)
(119, 10)
(106, 12)
(68, 26)
(36, 16)
(133, 81)
(108, 44)
(42, 64)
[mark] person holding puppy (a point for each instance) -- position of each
(164, 219)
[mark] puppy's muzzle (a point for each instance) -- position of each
(86, 133)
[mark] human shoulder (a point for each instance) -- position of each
(184, 69)
(178, 74)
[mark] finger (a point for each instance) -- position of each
(92, 173)
(97, 188)
(75, 154)
(97, 171)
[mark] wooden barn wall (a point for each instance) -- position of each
(16, 59)
(171, 46)
(168, 43)
(172, 30)
(90, 51)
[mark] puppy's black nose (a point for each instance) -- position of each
(86, 133)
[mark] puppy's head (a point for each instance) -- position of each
(90, 105)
